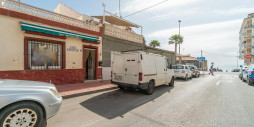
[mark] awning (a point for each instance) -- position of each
(117, 21)
(47, 30)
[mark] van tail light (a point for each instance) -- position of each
(252, 72)
(140, 76)
(111, 74)
(183, 71)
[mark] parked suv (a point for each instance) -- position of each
(182, 71)
(248, 74)
(194, 70)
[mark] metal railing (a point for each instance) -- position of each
(248, 35)
(248, 26)
(247, 45)
(42, 13)
(111, 30)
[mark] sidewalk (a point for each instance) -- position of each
(79, 89)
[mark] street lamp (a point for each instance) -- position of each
(179, 21)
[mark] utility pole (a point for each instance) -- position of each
(179, 21)
(237, 56)
(202, 63)
(120, 9)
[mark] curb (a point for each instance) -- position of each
(88, 92)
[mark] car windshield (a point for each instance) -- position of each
(191, 67)
(178, 67)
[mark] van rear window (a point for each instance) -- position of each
(178, 67)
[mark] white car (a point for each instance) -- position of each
(141, 70)
(182, 71)
(27, 103)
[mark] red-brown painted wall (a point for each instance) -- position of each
(99, 73)
(57, 77)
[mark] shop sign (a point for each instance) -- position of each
(74, 49)
(247, 56)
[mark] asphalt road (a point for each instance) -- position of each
(222, 100)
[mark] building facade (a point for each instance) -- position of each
(189, 60)
(41, 45)
(246, 40)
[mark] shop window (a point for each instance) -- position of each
(44, 55)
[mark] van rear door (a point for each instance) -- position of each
(131, 69)
(118, 68)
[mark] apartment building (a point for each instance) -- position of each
(246, 51)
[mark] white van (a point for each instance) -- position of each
(141, 70)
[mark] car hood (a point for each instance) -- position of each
(25, 84)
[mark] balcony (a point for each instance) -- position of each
(247, 45)
(117, 32)
(248, 26)
(38, 12)
(249, 35)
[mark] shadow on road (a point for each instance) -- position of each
(182, 80)
(119, 102)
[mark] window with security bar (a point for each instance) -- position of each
(44, 55)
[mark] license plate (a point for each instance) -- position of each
(117, 77)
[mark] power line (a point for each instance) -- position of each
(145, 8)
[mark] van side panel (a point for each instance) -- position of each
(161, 70)
(148, 68)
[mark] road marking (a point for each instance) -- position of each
(218, 83)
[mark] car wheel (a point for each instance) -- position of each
(249, 82)
(172, 82)
(191, 77)
(150, 88)
(186, 77)
(23, 114)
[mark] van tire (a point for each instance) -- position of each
(120, 87)
(186, 78)
(172, 82)
(150, 88)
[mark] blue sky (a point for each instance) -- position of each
(210, 25)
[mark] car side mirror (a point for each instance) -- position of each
(170, 66)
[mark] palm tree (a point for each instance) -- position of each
(175, 39)
(154, 43)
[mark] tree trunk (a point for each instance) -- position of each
(175, 52)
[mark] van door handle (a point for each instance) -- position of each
(125, 69)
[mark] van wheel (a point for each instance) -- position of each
(120, 87)
(186, 77)
(150, 88)
(172, 82)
